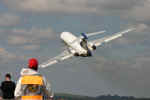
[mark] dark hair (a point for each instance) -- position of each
(8, 75)
(35, 68)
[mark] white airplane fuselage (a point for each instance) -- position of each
(74, 44)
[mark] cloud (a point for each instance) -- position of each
(7, 19)
(27, 39)
(29, 36)
(125, 65)
(6, 56)
(118, 4)
(128, 9)
(141, 28)
(35, 32)
(125, 76)
(140, 12)
(50, 6)
(31, 47)
(80, 6)
(16, 40)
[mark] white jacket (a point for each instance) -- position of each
(27, 71)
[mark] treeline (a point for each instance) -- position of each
(102, 97)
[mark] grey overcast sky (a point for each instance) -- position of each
(31, 28)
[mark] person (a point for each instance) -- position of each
(8, 87)
(1, 94)
(32, 85)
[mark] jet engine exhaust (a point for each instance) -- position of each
(94, 47)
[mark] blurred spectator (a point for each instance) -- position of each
(8, 87)
(32, 85)
(1, 94)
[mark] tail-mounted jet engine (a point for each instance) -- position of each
(91, 46)
(94, 47)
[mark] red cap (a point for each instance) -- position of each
(33, 63)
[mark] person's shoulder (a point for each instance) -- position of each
(12, 82)
(3, 82)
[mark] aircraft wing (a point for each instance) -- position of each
(63, 56)
(106, 39)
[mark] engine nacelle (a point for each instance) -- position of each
(94, 47)
(91, 46)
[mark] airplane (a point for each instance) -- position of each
(80, 46)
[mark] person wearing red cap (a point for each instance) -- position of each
(33, 64)
(32, 85)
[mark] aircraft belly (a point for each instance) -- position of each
(78, 48)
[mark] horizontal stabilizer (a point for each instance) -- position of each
(95, 33)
